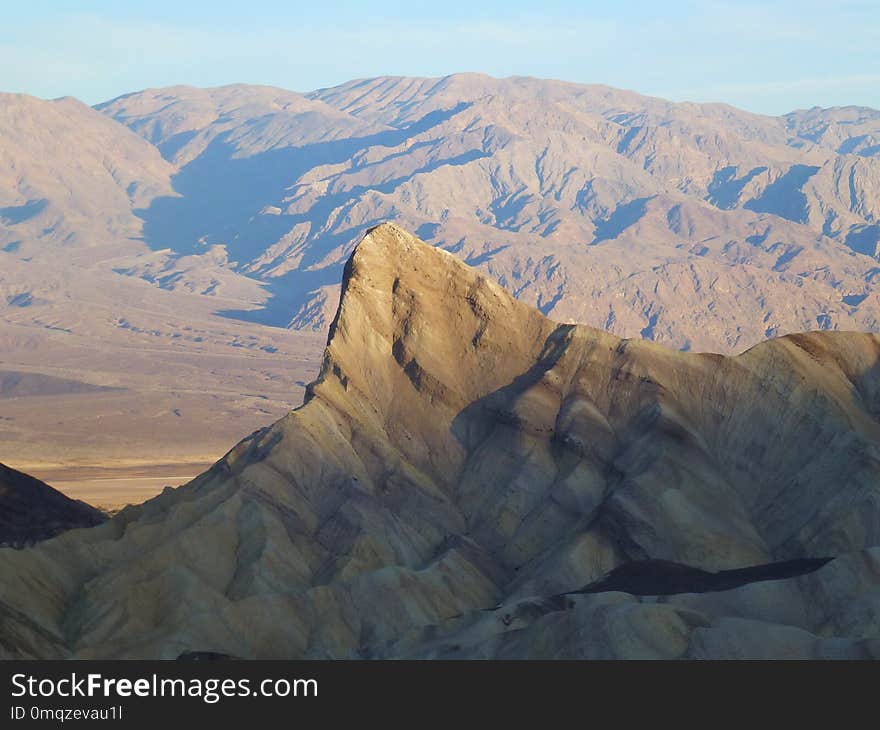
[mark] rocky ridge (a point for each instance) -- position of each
(460, 463)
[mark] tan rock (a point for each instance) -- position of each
(459, 462)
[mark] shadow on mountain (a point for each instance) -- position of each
(784, 197)
(204, 656)
(662, 578)
(289, 295)
(171, 146)
(624, 216)
(505, 211)
(854, 300)
(221, 196)
(475, 423)
(21, 213)
(666, 578)
(864, 239)
(32, 511)
(726, 187)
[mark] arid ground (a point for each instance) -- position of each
(117, 424)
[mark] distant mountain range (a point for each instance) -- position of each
(469, 479)
(698, 225)
(701, 226)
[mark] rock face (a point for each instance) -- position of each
(461, 463)
(31, 511)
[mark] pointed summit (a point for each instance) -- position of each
(460, 463)
(412, 311)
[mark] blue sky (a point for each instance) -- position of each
(768, 57)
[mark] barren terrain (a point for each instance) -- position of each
(470, 479)
(170, 260)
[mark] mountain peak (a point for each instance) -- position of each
(460, 451)
(388, 235)
(407, 304)
(391, 248)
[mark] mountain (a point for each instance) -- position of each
(99, 367)
(697, 225)
(178, 252)
(468, 478)
(70, 177)
(31, 511)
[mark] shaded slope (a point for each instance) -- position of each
(459, 451)
(664, 578)
(31, 511)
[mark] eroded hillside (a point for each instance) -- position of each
(463, 466)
